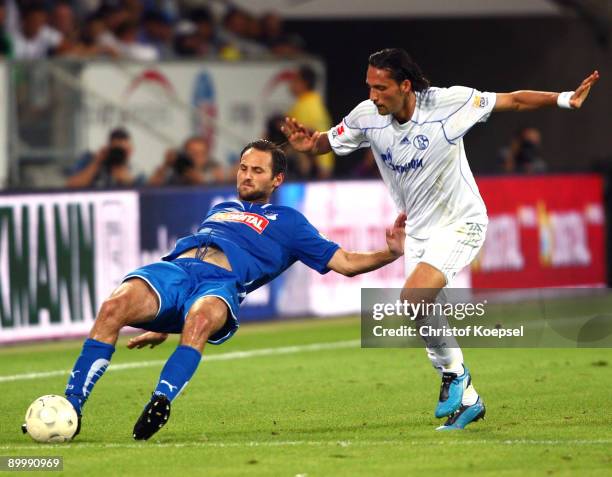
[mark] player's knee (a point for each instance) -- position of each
(113, 311)
(205, 324)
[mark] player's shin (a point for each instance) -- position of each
(89, 367)
(177, 371)
(444, 353)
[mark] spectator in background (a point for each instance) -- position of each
(523, 155)
(156, 32)
(128, 45)
(63, 20)
(113, 15)
(310, 111)
(134, 8)
(109, 167)
(93, 34)
(189, 166)
(205, 31)
(254, 30)
(276, 40)
(186, 40)
(235, 37)
(36, 39)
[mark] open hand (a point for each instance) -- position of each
(397, 235)
(150, 338)
(582, 91)
(299, 137)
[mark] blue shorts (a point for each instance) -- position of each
(178, 284)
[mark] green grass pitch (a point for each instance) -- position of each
(298, 408)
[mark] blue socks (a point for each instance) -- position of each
(89, 367)
(178, 371)
(95, 358)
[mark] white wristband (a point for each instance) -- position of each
(563, 100)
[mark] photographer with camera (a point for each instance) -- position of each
(189, 166)
(524, 154)
(109, 167)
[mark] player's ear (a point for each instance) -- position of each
(405, 86)
(279, 179)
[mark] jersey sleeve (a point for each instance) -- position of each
(470, 106)
(311, 247)
(347, 136)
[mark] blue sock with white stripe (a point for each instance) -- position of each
(178, 371)
(89, 367)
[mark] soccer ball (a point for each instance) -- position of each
(51, 418)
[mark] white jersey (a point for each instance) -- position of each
(423, 160)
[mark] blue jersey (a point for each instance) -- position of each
(260, 241)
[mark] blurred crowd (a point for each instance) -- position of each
(192, 164)
(110, 166)
(152, 30)
(143, 30)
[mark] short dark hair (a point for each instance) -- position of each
(279, 160)
(118, 133)
(308, 75)
(401, 66)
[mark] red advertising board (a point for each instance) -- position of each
(544, 231)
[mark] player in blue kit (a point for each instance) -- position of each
(198, 287)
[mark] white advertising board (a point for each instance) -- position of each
(60, 256)
(355, 215)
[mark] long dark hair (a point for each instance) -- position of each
(401, 66)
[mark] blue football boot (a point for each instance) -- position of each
(463, 416)
(451, 392)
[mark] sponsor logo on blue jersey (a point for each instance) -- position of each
(421, 142)
(255, 221)
(388, 160)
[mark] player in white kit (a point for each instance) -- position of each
(416, 134)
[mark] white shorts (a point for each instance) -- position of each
(449, 249)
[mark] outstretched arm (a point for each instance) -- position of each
(355, 263)
(526, 100)
(304, 140)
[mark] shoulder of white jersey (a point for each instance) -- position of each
(437, 104)
(365, 116)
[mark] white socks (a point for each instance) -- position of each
(443, 351)
(470, 396)
(445, 354)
